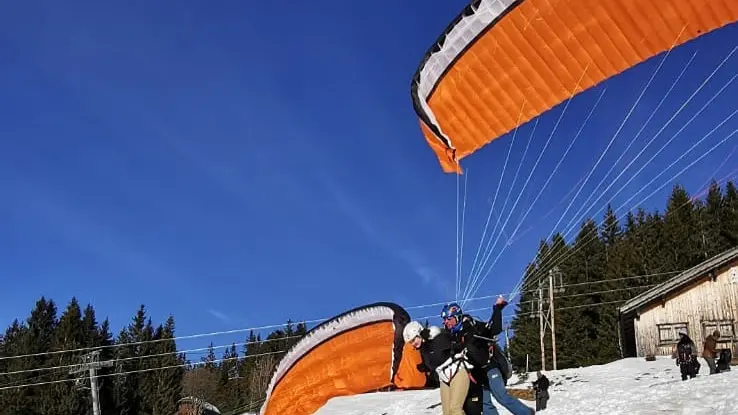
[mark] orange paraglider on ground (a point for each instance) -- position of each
(501, 63)
(357, 352)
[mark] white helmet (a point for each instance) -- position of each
(411, 331)
(433, 331)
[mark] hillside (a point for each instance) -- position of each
(628, 386)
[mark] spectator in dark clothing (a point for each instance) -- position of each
(540, 386)
(709, 351)
(686, 356)
(489, 365)
(723, 362)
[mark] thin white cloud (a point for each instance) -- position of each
(219, 315)
(412, 258)
(74, 226)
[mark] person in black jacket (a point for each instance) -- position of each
(490, 367)
(435, 349)
(541, 387)
(686, 356)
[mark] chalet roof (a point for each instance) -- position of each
(679, 281)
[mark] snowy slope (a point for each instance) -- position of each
(628, 386)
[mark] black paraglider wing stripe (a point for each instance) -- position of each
(469, 10)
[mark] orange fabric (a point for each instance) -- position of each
(445, 156)
(408, 376)
(538, 52)
(353, 362)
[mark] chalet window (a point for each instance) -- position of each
(669, 333)
(726, 327)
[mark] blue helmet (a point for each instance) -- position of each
(451, 310)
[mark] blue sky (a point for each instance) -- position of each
(238, 164)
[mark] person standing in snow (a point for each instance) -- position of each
(435, 349)
(540, 386)
(686, 356)
(709, 351)
(488, 363)
(723, 362)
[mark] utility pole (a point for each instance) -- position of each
(547, 318)
(542, 328)
(551, 310)
(91, 363)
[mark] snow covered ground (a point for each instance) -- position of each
(628, 386)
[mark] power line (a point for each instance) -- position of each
(216, 361)
(142, 342)
(529, 314)
(124, 359)
(201, 335)
(561, 256)
(595, 292)
(151, 369)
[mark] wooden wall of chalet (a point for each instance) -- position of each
(703, 301)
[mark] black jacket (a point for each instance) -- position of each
(436, 350)
(478, 338)
(541, 384)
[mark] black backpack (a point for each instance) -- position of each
(684, 352)
(723, 363)
(497, 355)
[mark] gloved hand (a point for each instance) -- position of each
(422, 368)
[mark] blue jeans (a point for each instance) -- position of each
(498, 391)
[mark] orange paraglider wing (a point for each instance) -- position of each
(501, 63)
(356, 352)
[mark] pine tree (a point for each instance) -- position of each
(710, 222)
(147, 380)
(15, 401)
(38, 339)
(729, 215)
(525, 350)
(682, 233)
(169, 380)
(69, 334)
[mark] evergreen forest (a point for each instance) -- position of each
(607, 264)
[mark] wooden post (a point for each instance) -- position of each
(553, 319)
(620, 337)
(91, 363)
(542, 331)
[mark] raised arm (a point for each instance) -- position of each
(494, 325)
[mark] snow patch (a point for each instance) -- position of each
(627, 386)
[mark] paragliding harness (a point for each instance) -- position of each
(448, 369)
